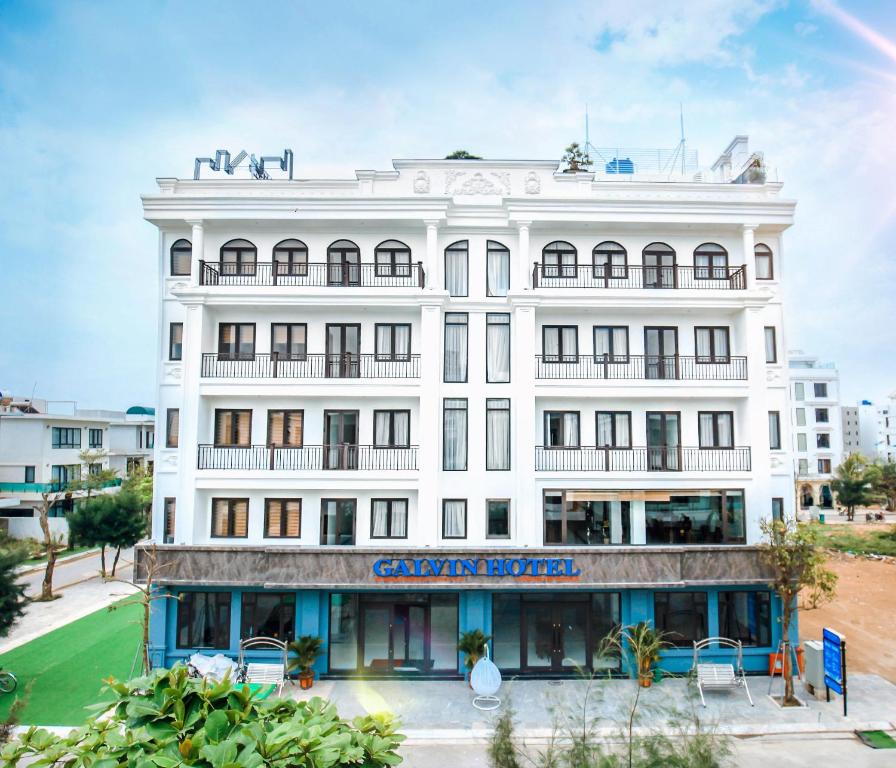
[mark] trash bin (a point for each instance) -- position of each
(821, 517)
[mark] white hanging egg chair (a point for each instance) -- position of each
(485, 680)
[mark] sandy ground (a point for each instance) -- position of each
(864, 610)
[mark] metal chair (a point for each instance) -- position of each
(270, 673)
(719, 677)
(485, 680)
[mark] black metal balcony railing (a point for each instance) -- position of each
(274, 366)
(638, 276)
(649, 367)
(343, 456)
(642, 459)
(320, 275)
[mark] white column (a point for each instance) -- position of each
(431, 265)
(749, 254)
(523, 268)
(758, 498)
(198, 242)
(430, 426)
(189, 438)
(527, 508)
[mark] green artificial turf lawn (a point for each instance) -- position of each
(68, 666)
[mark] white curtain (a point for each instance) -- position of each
(456, 272)
(454, 524)
(703, 345)
(726, 432)
(774, 432)
(571, 430)
(455, 350)
(498, 272)
(498, 351)
(604, 429)
(399, 519)
(721, 342)
(771, 352)
(455, 437)
(380, 518)
(402, 349)
(706, 437)
(570, 343)
(497, 438)
(381, 424)
(551, 343)
(384, 340)
(401, 428)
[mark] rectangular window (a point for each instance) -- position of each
(139, 437)
(169, 510)
(497, 269)
(774, 430)
(497, 348)
(801, 444)
(457, 269)
(337, 521)
(821, 389)
(823, 440)
(150, 438)
(712, 344)
(801, 417)
(391, 429)
(29, 474)
(268, 614)
(233, 427)
(455, 347)
(497, 513)
(771, 345)
(63, 474)
(286, 428)
(716, 429)
(613, 429)
(777, 508)
(203, 620)
(611, 343)
(746, 616)
(454, 518)
(66, 437)
(230, 518)
(497, 433)
(282, 518)
(95, 438)
(799, 391)
(707, 517)
(824, 466)
(560, 343)
(682, 616)
(176, 341)
(454, 434)
(561, 429)
(389, 519)
(236, 341)
(803, 467)
(822, 416)
(393, 341)
(172, 427)
(94, 468)
(289, 341)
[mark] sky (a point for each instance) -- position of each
(97, 99)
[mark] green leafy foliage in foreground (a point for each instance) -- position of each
(168, 719)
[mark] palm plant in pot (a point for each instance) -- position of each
(645, 644)
(304, 652)
(472, 644)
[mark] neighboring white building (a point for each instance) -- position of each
(860, 429)
(43, 450)
(461, 394)
(886, 429)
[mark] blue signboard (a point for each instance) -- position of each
(835, 664)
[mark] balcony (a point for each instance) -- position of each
(638, 276)
(308, 458)
(646, 367)
(51, 487)
(641, 459)
(340, 275)
(317, 366)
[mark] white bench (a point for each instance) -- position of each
(720, 677)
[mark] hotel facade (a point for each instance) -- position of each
(469, 394)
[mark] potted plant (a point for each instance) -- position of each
(576, 159)
(305, 651)
(756, 172)
(645, 644)
(472, 645)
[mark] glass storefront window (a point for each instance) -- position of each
(443, 632)
(268, 614)
(681, 615)
(696, 518)
(203, 620)
(606, 617)
(343, 632)
(506, 631)
(746, 616)
(582, 518)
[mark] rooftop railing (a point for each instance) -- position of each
(316, 366)
(341, 275)
(673, 277)
(342, 456)
(645, 367)
(641, 459)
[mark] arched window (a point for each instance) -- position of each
(343, 263)
(238, 257)
(290, 258)
(765, 269)
(610, 260)
(559, 259)
(393, 259)
(181, 256)
(710, 262)
(497, 269)
(659, 266)
(457, 257)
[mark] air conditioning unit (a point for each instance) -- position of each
(813, 658)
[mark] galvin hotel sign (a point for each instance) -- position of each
(438, 569)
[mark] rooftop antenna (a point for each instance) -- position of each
(681, 122)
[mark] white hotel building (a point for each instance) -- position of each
(469, 394)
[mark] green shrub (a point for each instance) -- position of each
(168, 719)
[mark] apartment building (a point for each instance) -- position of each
(469, 394)
(45, 446)
(817, 427)
(860, 429)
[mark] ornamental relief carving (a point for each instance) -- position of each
(533, 183)
(421, 183)
(477, 184)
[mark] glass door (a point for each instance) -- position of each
(343, 264)
(663, 441)
(661, 353)
(659, 267)
(340, 439)
(394, 636)
(556, 635)
(343, 350)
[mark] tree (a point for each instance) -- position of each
(462, 154)
(110, 520)
(139, 481)
(576, 159)
(52, 545)
(882, 477)
(852, 484)
(93, 481)
(12, 593)
(797, 563)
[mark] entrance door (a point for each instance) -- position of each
(343, 263)
(395, 637)
(661, 353)
(343, 350)
(663, 441)
(340, 439)
(659, 266)
(555, 636)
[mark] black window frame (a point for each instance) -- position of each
(231, 501)
(763, 622)
(826, 412)
(466, 411)
(546, 417)
(490, 319)
(64, 437)
(249, 604)
(493, 247)
(234, 428)
(222, 608)
(716, 415)
(488, 519)
(774, 338)
(488, 409)
(711, 273)
(394, 267)
(178, 248)
(238, 329)
(826, 469)
(241, 265)
(561, 356)
(615, 444)
(774, 417)
(286, 413)
(823, 440)
(335, 499)
(771, 260)
(609, 270)
(820, 389)
(284, 518)
(290, 331)
(175, 345)
(559, 269)
(295, 267)
(169, 517)
(466, 520)
(455, 247)
(94, 437)
(391, 415)
(389, 517)
(686, 641)
(445, 324)
(713, 356)
(393, 356)
(172, 416)
(777, 507)
(611, 357)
